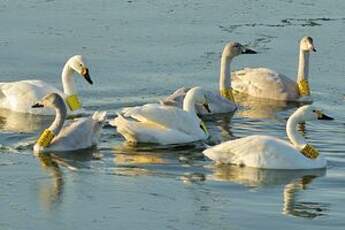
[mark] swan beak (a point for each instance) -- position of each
(248, 51)
(85, 74)
(313, 49)
(37, 105)
(207, 108)
(322, 116)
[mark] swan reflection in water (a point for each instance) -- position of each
(293, 182)
(219, 127)
(26, 122)
(50, 193)
(22, 122)
(131, 161)
(258, 108)
(155, 159)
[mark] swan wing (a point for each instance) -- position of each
(167, 116)
(264, 83)
(262, 152)
(21, 95)
(148, 132)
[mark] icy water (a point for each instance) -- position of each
(139, 52)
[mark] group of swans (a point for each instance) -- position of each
(256, 82)
(175, 120)
(224, 101)
(40, 98)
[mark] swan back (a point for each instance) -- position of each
(79, 133)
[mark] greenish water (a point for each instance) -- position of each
(139, 52)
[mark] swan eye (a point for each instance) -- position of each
(81, 65)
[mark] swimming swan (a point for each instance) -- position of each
(266, 83)
(159, 124)
(269, 152)
(224, 101)
(80, 133)
(19, 96)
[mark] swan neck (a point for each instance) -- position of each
(291, 128)
(189, 104)
(225, 74)
(303, 66)
(67, 81)
(60, 116)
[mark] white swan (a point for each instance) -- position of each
(224, 101)
(266, 83)
(19, 96)
(80, 133)
(159, 124)
(269, 152)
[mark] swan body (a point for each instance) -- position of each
(267, 152)
(269, 84)
(77, 134)
(159, 124)
(19, 96)
(222, 102)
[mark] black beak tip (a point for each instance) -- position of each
(207, 108)
(249, 51)
(325, 117)
(314, 49)
(37, 105)
(88, 78)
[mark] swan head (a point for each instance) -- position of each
(78, 65)
(309, 113)
(52, 100)
(307, 44)
(199, 96)
(233, 49)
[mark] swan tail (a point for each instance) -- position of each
(99, 116)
